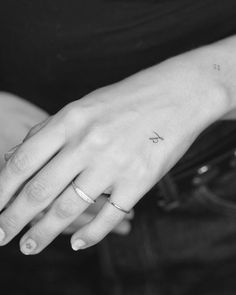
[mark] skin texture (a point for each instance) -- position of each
(102, 142)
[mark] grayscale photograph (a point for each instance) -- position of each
(118, 147)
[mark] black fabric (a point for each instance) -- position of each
(56, 51)
(56, 271)
(185, 249)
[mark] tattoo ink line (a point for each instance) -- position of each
(217, 67)
(157, 138)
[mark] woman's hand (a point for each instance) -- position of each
(122, 138)
(17, 117)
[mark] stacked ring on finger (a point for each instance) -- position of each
(117, 206)
(82, 194)
(88, 200)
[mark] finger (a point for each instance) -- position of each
(130, 215)
(95, 208)
(78, 223)
(106, 220)
(37, 218)
(64, 211)
(28, 158)
(31, 132)
(36, 128)
(122, 228)
(40, 191)
(8, 154)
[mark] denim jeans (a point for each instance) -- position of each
(183, 238)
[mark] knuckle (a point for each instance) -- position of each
(98, 137)
(19, 163)
(36, 191)
(71, 113)
(70, 118)
(66, 207)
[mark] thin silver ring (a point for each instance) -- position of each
(117, 206)
(81, 194)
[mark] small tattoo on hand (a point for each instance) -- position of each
(156, 138)
(217, 67)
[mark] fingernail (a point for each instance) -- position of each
(78, 244)
(28, 246)
(8, 154)
(2, 235)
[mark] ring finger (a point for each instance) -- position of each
(66, 208)
(124, 197)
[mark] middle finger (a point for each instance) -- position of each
(65, 210)
(39, 192)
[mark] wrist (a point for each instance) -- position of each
(215, 64)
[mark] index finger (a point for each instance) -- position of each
(28, 159)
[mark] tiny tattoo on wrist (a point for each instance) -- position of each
(156, 138)
(217, 67)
